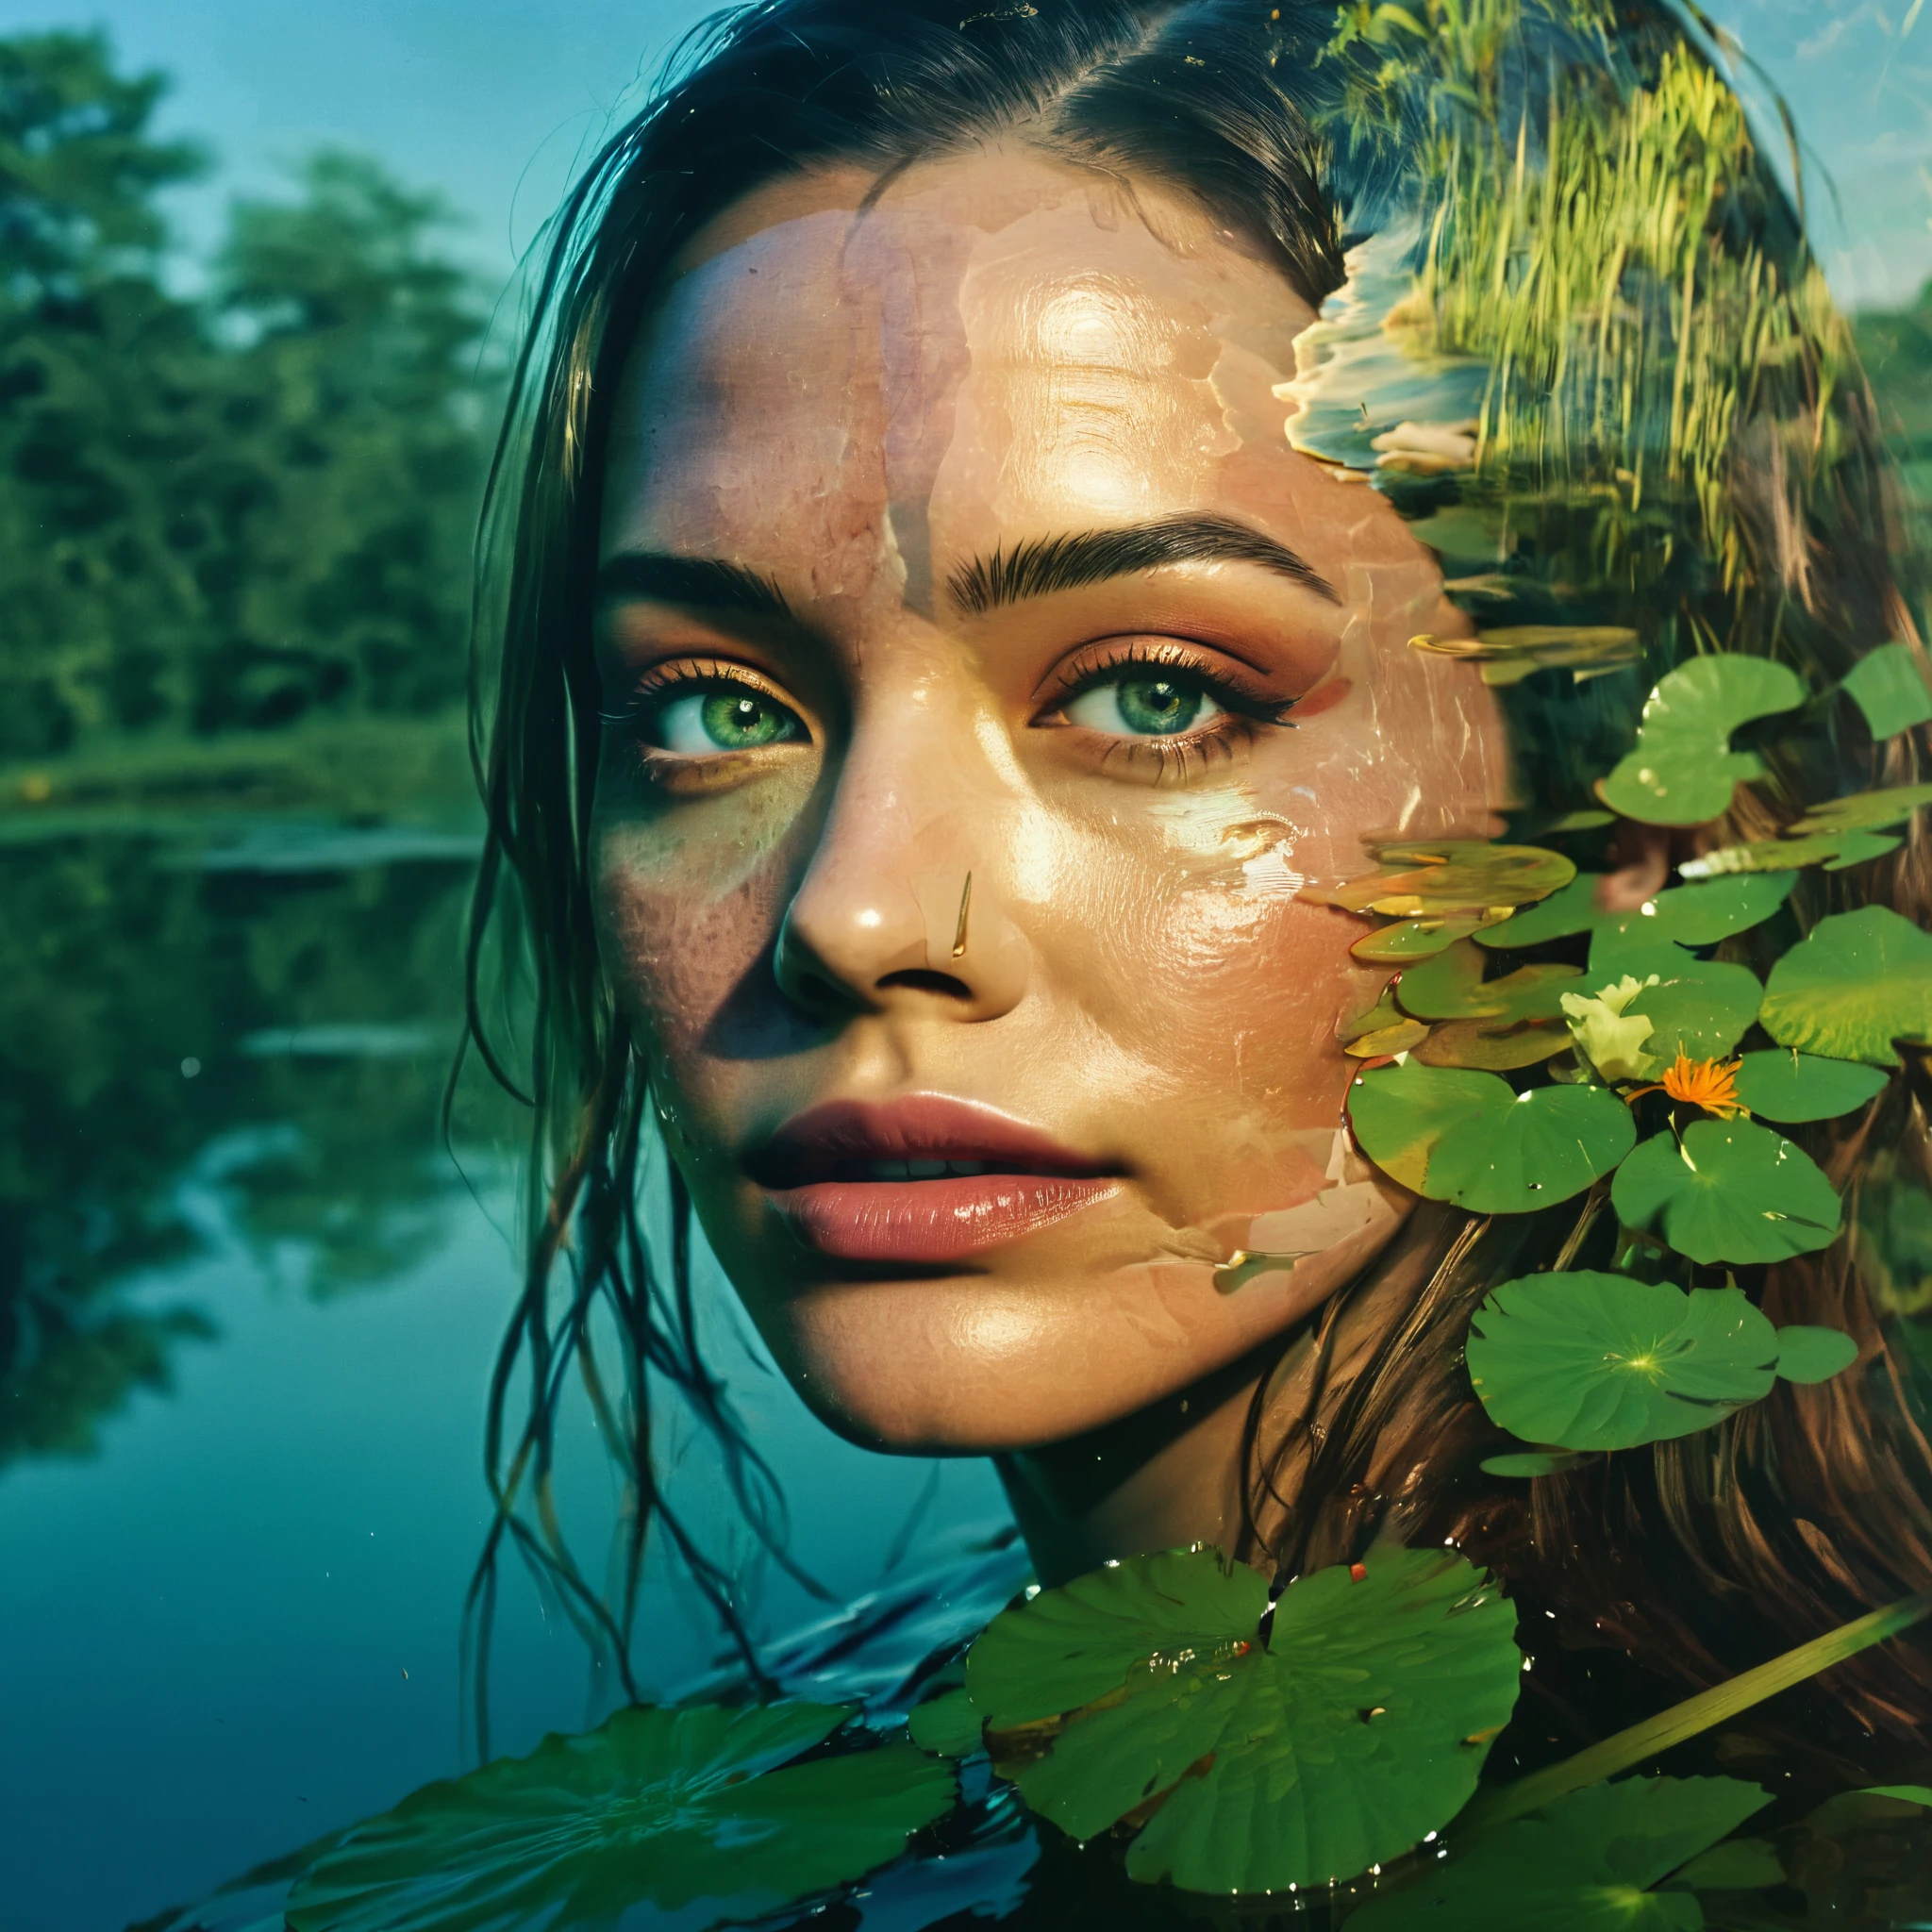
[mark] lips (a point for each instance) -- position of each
(922, 1180)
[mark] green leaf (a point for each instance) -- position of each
(1855, 983)
(1489, 1046)
(1699, 1007)
(1805, 1354)
(1874, 1804)
(1530, 1462)
(1741, 1864)
(1587, 1361)
(1358, 1724)
(1730, 1192)
(1411, 939)
(1789, 1087)
(1450, 987)
(1685, 915)
(1888, 686)
(1866, 811)
(1580, 1864)
(1683, 770)
(947, 1725)
(669, 1808)
(1470, 1139)
(1446, 877)
(1846, 832)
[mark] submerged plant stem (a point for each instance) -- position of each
(1686, 1720)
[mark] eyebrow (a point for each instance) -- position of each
(1042, 564)
(706, 583)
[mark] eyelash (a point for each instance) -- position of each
(1245, 707)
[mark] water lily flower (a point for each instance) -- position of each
(1608, 1035)
(1709, 1084)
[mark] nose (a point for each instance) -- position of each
(904, 906)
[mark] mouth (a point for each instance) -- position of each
(922, 1180)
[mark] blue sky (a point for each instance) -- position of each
(493, 101)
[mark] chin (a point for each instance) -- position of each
(964, 1367)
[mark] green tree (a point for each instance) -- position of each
(233, 510)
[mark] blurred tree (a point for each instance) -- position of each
(226, 511)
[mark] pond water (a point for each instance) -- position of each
(248, 1304)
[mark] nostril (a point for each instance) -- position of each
(918, 979)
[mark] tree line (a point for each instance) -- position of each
(230, 508)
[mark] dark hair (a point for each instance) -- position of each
(1289, 135)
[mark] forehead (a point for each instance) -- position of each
(1004, 342)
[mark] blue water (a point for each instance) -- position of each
(234, 1625)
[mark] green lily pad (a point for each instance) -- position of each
(1586, 1361)
(1470, 1139)
(1866, 811)
(1698, 1008)
(1531, 1462)
(1888, 686)
(1444, 877)
(1356, 1724)
(1739, 1864)
(1805, 1354)
(947, 1725)
(1492, 1046)
(1683, 770)
(1790, 1087)
(1848, 831)
(1580, 1864)
(696, 1810)
(1730, 1192)
(1855, 983)
(1451, 987)
(1412, 939)
(1685, 915)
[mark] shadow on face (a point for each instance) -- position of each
(985, 675)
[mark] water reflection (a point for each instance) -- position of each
(271, 1006)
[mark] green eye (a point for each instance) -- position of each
(1145, 704)
(727, 718)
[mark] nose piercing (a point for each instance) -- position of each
(959, 931)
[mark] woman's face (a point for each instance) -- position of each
(957, 538)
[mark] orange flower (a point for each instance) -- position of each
(1709, 1084)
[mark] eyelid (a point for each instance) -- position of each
(672, 674)
(1237, 686)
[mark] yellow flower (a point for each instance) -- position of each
(1608, 1033)
(1709, 1084)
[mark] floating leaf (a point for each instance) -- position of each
(1842, 833)
(1685, 915)
(1740, 1864)
(1491, 1045)
(1866, 811)
(1888, 686)
(1805, 1354)
(1512, 652)
(669, 1808)
(1356, 1724)
(1698, 1008)
(1683, 770)
(1580, 1864)
(1448, 876)
(1468, 1138)
(1587, 1361)
(1451, 987)
(1729, 1192)
(1531, 1462)
(947, 1725)
(1855, 983)
(1414, 938)
(1791, 1087)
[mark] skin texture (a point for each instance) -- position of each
(853, 401)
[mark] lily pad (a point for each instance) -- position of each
(1888, 686)
(1586, 1361)
(1470, 1139)
(947, 1725)
(1451, 987)
(1805, 1354)
(1790, 1087)
(1448, 876)
(1493, 1046)
(1412, 939)
(1580, 1864)
(1685, 915)
(696, 1811)
(1698, 1008)
(1847, 831)
(1866, 811)
(1355, 1725)
(1683, 770)
(1729, 1192)
(1857, 982)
